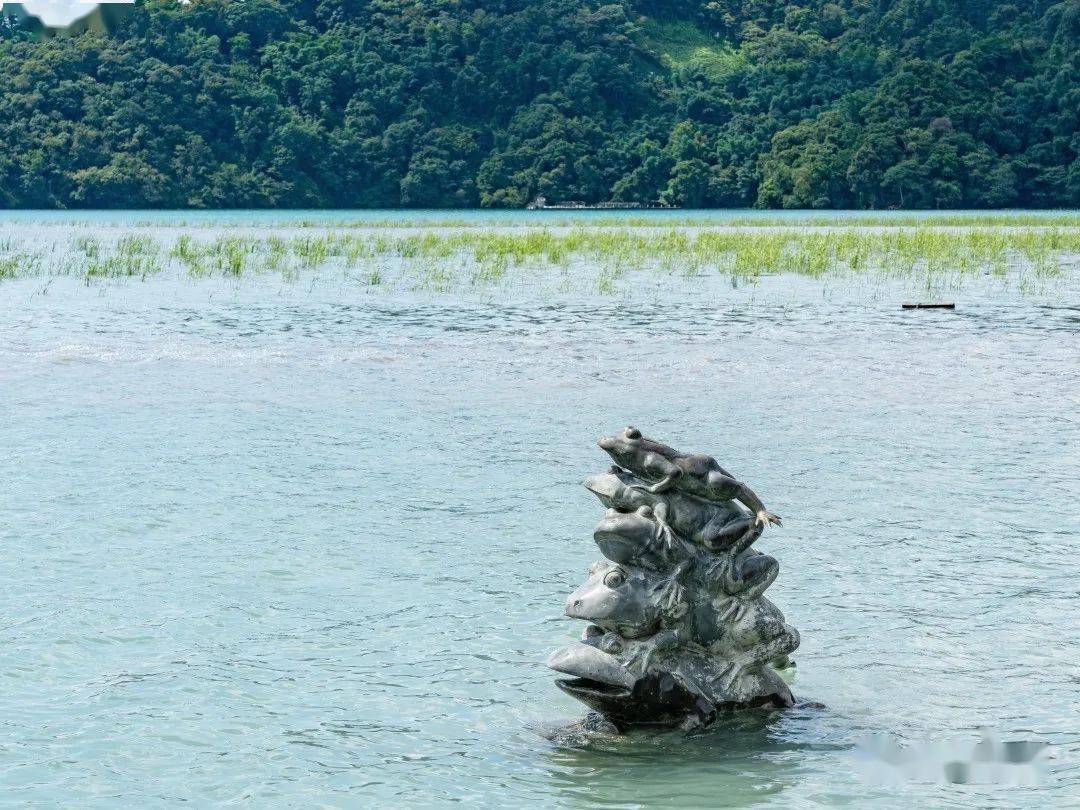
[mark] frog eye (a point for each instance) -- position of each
(611, 644)
(633, 433)
(614, 579)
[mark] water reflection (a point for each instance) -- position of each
(740, 761)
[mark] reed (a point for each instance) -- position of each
(10, 267)
(444, 259)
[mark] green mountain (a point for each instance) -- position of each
(448, 103)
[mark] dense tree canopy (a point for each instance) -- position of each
(447, 103)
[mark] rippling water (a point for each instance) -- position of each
(300, 544)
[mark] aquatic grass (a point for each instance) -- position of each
(441, 260)
(354, 251)
(607, 279)
(434, 276)
(374, 277)
(275, 257)
(136, 245)
(122, 266)
(131, 256)
(230, 255)
(87, 245)
(13, 266)
(187, 249)
(191, 253)
(312, 251)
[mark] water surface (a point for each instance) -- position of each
(300, 544)
(488, 216)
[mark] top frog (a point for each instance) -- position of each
(696, 474)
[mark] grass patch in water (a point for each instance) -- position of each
(443, 260)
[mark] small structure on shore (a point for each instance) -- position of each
(679, 630)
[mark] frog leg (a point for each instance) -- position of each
(781, 646)
(718, 532)
(760, 654)
(723, 487)
(656, 466)
(660, 512)
(665, 484)
(762, 516)
(663, 641)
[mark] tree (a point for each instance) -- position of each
(807, 103)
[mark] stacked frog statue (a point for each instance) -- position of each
(679, 629)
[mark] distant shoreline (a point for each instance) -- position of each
(544, 218)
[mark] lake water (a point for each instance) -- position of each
(308, 545)
(492, 216)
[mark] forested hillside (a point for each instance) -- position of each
(449, 103)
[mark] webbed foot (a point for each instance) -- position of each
(764, 517)
(730, 675)
(642, 659)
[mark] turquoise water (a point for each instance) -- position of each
(484, 216)
(304, 545)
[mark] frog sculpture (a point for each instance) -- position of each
(679, 630)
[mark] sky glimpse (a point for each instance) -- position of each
(55, 13)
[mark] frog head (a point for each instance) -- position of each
(627, 600)
(599, 678)
(626, 536)
(623, 447)
(614, 489)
